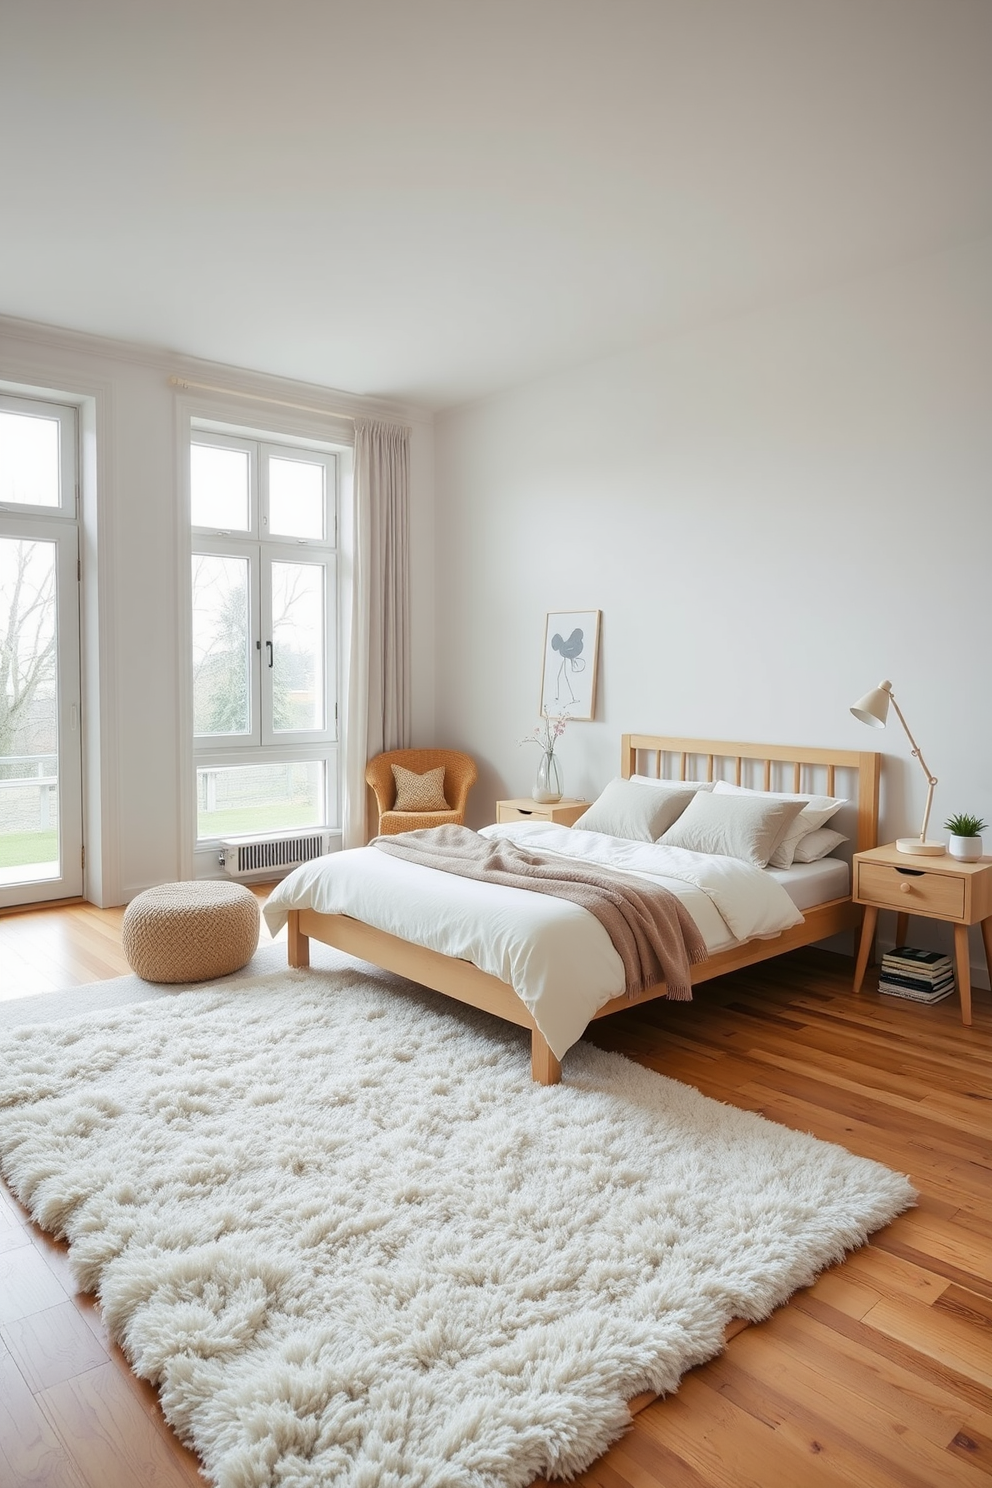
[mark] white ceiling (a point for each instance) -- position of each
(435, 199)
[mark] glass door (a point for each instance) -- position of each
(40, 757)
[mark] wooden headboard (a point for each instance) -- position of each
(782, 767)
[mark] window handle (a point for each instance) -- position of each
(268, 647)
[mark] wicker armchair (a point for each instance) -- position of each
(460, 775)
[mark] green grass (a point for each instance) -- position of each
(281, 817)
(18, 849)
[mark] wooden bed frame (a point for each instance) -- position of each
(782, 768)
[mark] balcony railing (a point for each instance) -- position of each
(33, 773)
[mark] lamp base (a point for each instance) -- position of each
(922, 849)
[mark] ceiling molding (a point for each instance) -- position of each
(238, 381)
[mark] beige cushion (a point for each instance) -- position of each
(638, 812)
(190, 932)
(816, 811)
(419, 792)
(747, 827)
(689, 785)
(818, 844)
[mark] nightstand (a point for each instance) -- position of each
(936, 888)
(563, 813)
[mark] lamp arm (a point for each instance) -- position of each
(931, 778)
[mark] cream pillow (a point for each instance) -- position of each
(689, 785)
(816, 812)
(731, 826)
(818, 844)
(638, 812)
(419, 792)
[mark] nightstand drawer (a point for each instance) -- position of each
(912, 892)
(506, 811)
(562, 813)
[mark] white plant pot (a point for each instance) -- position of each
(966, 848)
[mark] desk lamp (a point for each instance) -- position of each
(873, 709)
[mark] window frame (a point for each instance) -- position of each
(66, 415)
(262, 744)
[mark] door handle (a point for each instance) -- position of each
(268, 647)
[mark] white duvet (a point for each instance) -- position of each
(556, 956)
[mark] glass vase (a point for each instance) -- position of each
(548, 785)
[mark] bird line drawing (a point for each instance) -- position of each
(572, 661)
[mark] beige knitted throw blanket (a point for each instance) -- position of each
(655, 936)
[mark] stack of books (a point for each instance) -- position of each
(920, 976)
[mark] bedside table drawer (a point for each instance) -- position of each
(562, 813)
(912, 892)
(506, 811)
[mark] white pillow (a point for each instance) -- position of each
(816, 812)
(689, 785)
(818, 844)
(733, 826)
(627, 809)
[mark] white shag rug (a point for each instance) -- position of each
(333, 1220)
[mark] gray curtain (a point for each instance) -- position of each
(379, 711)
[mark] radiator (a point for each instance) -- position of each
(262, 857)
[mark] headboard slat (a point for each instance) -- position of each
(867, 766)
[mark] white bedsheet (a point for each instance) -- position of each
(814, 883)
(555, 955)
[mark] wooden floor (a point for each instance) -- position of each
(879, 1376)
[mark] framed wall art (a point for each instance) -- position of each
(571, 650)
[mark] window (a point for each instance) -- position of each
(264, 627)
(40, 756)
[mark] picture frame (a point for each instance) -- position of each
(568, 673)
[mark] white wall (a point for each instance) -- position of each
(134, 738)
(772, 513)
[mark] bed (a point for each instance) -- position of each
(761, 767)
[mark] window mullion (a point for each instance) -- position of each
(263, 571)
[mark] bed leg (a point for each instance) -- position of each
(299, 944)
(544, 1067)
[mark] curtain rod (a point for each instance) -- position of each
(209, 387)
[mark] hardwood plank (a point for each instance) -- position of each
(732, 1450)
(30, 1450)
(946, 1338)
(917, 1355)
(890, 1276)
(974, 1448)
(52, 1346)
(857, 1435)
(967, 1305)
(110, 1436)
(26, 1285)
(857, 1365)
(943, 1240)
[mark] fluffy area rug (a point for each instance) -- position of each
(331, 1218)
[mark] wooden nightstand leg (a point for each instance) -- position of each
(987, 942)
(864, 949)
(962, 965)
(902, 929)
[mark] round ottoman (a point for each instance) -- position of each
(190, 932)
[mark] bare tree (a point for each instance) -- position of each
(27, 643)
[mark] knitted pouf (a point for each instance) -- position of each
(190, 932)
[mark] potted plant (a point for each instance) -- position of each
(966, 835)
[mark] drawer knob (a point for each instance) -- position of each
(905, 888)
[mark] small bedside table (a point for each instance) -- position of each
(934, 887)
(563, 813)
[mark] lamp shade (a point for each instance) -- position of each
(873, 708)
